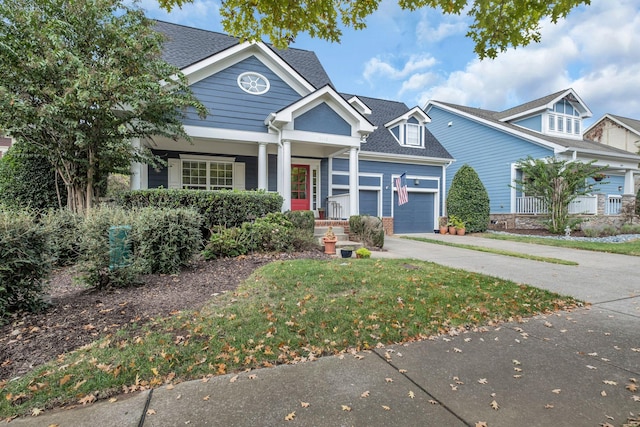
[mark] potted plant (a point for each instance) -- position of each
(460, 227)
(329, 239)
(598, 177)
(451, 224)
(347, 251)
(363, 253)
(442, 222)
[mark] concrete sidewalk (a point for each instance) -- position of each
(564, 369)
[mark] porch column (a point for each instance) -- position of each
(353, 181)
(628, 182)
(286, 175)
(262, 166)
(138, 180)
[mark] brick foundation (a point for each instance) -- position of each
(387, 224)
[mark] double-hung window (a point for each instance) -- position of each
(207, 175)
(412, 136)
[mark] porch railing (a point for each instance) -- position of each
(614, 205)
(580, 205)
(338, 206)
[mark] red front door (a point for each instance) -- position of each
(300, 197)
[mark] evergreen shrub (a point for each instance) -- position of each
(468, 200)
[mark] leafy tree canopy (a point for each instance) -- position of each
(496, 24)
(81, 79)
(556, 182)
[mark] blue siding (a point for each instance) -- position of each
(609, 185)
(272, 172)
(232, 108)
(413, 120)
(396, 132)
(368, 202)
(370, 181)
(489, 151)
(340, 180)
(324, 120)
(324, 182)
(534, 123)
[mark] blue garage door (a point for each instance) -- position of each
(415, 216)
(369, 202)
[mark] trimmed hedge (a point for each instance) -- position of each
(367, 229)
(24, 263)
(219, 208)
(63, 229)
(468, 200)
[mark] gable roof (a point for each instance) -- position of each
(185, 46)
(492, 118)
(541, 104)
(382, 141)
(632, 125)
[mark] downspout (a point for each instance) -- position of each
(269, 122)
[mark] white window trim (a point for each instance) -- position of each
(258, 76)
(402, 134)
(175, 175)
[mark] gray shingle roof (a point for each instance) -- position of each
(531, 105)
(186, 46)
(580, 144)
(631, 123)
(382, 141)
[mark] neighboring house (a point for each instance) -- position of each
(5, 143)
(619, 132)
(493, 142)
(276, 123)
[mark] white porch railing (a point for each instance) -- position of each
(580, 205)
(338, 206)
(614, 205)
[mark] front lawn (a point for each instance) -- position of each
(625, 248)
(286, 312)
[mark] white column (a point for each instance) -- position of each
(353, 181)
(135, 180)
(286, 175)
(262, 166)
(628, 182)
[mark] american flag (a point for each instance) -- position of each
(401, 186)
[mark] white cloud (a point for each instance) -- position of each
(418, 81)
(380, 68)
(199, 13)
(449, 25)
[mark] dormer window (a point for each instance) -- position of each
(409, 129)
(564, 119)
(412, 136)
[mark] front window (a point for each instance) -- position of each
(207, 175)
(412, 134)
(564, 119)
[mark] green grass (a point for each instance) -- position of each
(626, 248)
(494, 251)
(286, 312)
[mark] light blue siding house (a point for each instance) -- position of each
(276, 123)
(493, 142)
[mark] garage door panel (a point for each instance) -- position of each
(415, 216)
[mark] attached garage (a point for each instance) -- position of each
(417, 216)
(369, 202)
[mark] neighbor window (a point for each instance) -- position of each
(207, 175)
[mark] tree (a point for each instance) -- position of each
(27, 180)
(556, 182)
(80, 80)
(497, 24)
(468, 200)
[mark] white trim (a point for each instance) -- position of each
(585, 114)
(359, 105)
(314, 164)
(422, 117)
(230, 134)
(253, 84)
(221, 159)
(434, 191)
(403, 158)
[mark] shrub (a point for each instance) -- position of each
(27, 180)
(303, 225)
(219, 208)
(363, 253)
(638, 202)
(468, 199)
(24, 263)
(94, 265)
(63, 229)
(630, 229)
(228, 242)
(367, 229)
(166, 239)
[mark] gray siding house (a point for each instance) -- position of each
(276, 123)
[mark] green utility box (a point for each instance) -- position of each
(119, 246)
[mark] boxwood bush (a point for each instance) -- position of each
(219, 208)
(24, 263)
(468, 200)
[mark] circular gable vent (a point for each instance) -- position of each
(253, 83)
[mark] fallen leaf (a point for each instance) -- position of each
(456, 350)
(386, 408)
(548, 406)
(591, 367)
(482, 381)
(632, 387)
(89, 398)
(170, 387)
(603, 393)
(481, 424)
(453, 387)
(515, 362)
(65, 379)
(433, 402)
(358, 356)
(290, 416)
(517, 376)
(411, 394)
(113, 400)
(548, 324)
(253, 376)
(35, 412)
(233, 379)
(389, 380)
(365, 394)
(304, 404)
(517, 369)
(346, 408)
(635, 398)
(151, 412)
(495, 405)
(206, 397)
(610, 382)
(402, 371)
(556, 390)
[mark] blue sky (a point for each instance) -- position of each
(417, 56)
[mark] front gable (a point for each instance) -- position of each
(408, 129)
(324, 119)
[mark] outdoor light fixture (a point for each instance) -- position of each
(416, 181)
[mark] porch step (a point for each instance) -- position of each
(343, 238)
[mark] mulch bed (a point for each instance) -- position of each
(79, 315)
